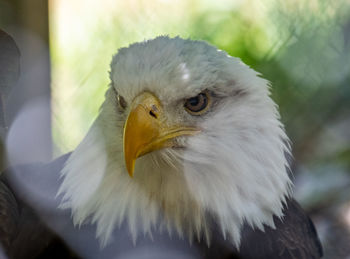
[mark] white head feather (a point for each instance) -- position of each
(234, 171)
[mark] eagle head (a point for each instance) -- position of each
(187, 135)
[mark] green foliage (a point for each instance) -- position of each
(302, 47)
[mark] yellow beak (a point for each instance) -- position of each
(146, 129)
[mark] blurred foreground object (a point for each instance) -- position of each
(9, 69)
(22, 233)
(9, 74)
(27, 23)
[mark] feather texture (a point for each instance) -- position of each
(234, 172)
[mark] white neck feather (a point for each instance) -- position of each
(179, 190)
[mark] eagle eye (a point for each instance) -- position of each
(199, 104)
(121, 101)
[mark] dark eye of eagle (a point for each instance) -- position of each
(121, 101)
(199, 104)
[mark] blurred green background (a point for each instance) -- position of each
(85, 35)
(301, 47)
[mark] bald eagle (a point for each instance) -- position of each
(189, 143)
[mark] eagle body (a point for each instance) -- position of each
(187, 146)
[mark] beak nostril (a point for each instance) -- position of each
(152, 114)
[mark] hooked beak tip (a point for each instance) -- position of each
(130, 168)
